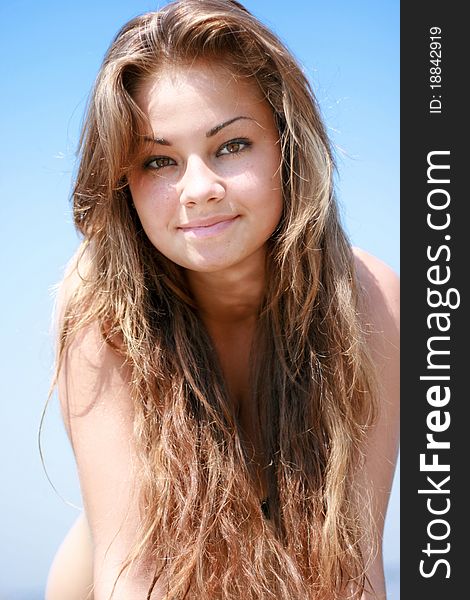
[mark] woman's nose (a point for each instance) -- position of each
(200, 184)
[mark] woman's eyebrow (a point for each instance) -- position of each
(213, 131)
(217, 128)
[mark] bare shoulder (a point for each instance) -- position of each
(381, 314)
(381, 287)
(91, 374)
(75, 274)
(380, 307)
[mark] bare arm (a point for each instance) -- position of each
(382, 312)
(97, 409)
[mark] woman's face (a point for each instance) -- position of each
(208, 189)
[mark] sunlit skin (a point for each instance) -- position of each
(208, 189)
(208, 194)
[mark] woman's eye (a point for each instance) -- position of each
(159, 162)
(233, 147)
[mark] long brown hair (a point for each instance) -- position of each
(312, 381)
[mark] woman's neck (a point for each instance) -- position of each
(231, 296)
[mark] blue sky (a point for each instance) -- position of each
(50, 56)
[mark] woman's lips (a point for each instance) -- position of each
(199, 230)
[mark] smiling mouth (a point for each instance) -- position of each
(207, 230)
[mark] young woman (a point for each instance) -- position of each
(227, 364)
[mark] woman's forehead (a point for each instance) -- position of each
(212, 75)
(200, 92)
